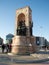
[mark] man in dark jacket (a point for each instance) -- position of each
(3, 47)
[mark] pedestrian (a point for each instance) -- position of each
(3, 48)
(10, 47)
(7, 48)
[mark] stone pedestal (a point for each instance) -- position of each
(20, 45)
(23, 45)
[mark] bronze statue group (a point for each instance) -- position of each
(21, 29)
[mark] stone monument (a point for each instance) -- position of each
(23, 31)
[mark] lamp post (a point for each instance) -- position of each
(41, 34)
(41, 30)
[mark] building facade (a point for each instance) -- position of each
(41, 42)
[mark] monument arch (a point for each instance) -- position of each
(21, 16)
(21, 27)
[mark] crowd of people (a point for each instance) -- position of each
(6, 48)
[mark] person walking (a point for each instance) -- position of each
(3, 48)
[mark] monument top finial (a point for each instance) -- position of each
(24, 7)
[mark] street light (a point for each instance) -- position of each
(41, 30)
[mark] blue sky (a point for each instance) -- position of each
(40, 16)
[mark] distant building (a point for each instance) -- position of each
(9, 38)
(1, 41)
(46, 44)
(40, 42)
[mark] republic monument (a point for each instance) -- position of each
(23, 41)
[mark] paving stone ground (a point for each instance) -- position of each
(21, 64)
(5, 58)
